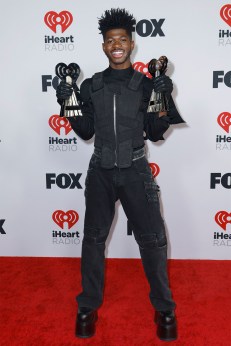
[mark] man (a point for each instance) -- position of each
(114, 107)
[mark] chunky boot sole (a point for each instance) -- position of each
(167, 333)
(86, 329)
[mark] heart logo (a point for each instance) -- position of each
(141, 67)
(155, 169)
(158, 65)
(224, 120)
(56, 123)
(222, 218)
(225, 13)
(72, 70)
(64, 19)
(71, 217)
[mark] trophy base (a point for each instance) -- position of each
(70, 112)
(158, 103)
(71, 107)
(156, 108)
(68, 116)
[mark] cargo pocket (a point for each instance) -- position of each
(151, 188)
(93, 165)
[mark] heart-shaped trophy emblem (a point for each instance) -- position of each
(72, 70)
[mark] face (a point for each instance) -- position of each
(118, 47)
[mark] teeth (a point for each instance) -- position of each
(117, 52)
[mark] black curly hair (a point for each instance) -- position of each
(116, 18)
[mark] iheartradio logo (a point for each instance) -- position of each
(222, 218)
(52, 19)
(155, 169)
(224, 120)
(56, 123)
(141, 67)
(225, 14)
(70, 217)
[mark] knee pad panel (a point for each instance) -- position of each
(152, 240)
(97, 236)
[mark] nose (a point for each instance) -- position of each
(117, 43)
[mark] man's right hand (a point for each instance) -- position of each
(64, 91)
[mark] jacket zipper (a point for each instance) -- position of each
(114, 114)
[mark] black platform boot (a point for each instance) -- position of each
(85, 322)
(166, 325)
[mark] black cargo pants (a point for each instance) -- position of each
(138, 193)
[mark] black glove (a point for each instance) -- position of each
(163, 84)
(64, 91)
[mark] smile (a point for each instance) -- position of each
(117, 53)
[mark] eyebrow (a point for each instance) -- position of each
(123, 36)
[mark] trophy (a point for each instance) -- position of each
(69, 74)
(158, 101)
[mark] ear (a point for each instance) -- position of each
(103, 46)
(132, 45)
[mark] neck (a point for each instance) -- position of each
(120, 67)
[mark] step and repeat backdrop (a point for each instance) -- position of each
(43, 163)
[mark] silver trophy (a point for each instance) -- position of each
(69, 74)
(158, 101)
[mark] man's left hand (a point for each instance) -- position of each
(163, 84)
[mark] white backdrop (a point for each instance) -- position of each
(191, 37)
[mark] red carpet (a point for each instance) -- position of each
(37, 303)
